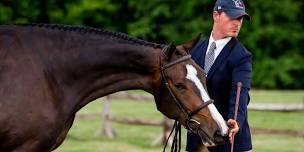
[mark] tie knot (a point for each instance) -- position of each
(212, 46)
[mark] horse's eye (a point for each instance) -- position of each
(179, 86)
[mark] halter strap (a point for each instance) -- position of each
(182, 59)
(205, 104)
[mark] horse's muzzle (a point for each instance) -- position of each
(216, 139)
(219, 138)
(208, 139)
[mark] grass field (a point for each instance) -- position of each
(83, 135)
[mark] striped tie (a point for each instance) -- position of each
(209, 58)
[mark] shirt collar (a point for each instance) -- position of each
(219, 43)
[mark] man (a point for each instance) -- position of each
(226, 61)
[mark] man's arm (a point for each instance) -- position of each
(241, 73)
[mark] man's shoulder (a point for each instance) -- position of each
(240, 49)
(239, 53)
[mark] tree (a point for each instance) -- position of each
(275, 35)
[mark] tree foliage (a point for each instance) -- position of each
(275, 35)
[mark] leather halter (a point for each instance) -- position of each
(188, 115)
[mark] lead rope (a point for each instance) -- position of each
(176, 144)
(237, 99)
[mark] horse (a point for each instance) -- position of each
(48, 72)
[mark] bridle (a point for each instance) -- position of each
(181, 106)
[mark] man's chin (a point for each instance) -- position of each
(234, 34)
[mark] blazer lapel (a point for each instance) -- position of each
(221, 57)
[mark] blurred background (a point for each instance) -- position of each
(275, 36)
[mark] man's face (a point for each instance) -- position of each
(226, 26)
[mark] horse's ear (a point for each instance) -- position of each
(190, 44)
(169, 52)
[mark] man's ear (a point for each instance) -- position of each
(190, 44)
(170, 50)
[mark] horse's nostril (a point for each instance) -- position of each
(219, 138)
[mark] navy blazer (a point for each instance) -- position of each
(232, 65)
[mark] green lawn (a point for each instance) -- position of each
(82, 137)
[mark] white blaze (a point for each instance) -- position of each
(192, 75)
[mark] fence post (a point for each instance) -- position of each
(107, 129)
(162, 138)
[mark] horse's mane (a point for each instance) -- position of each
(91, 30)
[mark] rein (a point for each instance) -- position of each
(176, 145)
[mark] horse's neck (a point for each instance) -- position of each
(121, 67)
(95, 70)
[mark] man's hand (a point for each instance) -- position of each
(234, 128)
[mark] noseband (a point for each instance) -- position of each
(188, 115)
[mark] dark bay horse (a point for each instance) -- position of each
(49, 72)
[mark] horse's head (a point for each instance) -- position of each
(182, 95)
